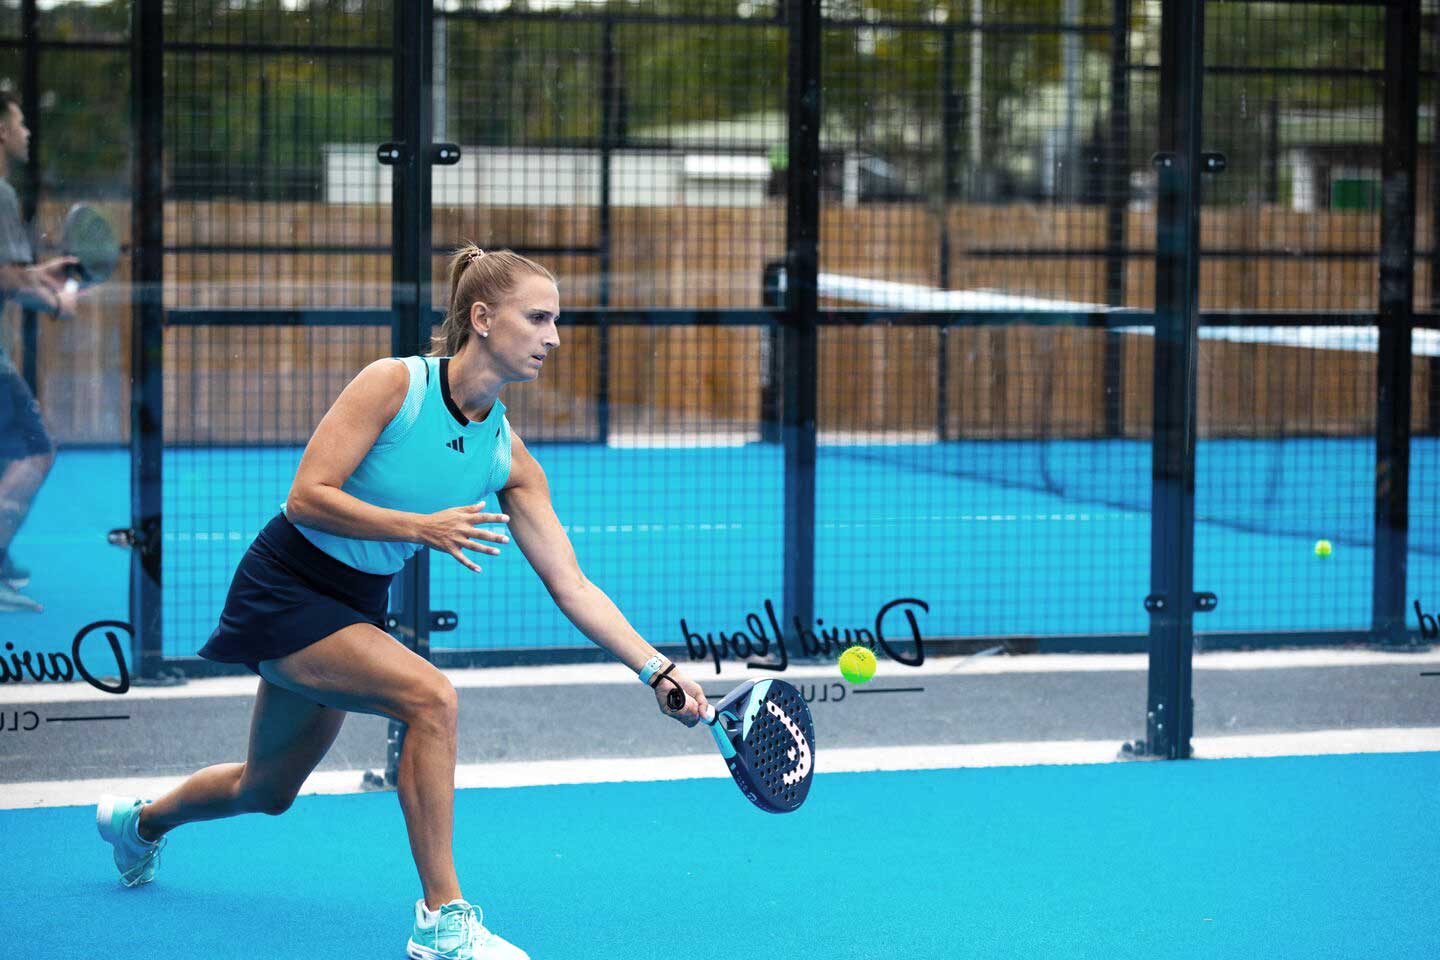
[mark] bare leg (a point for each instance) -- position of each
(289, 736)
(427, 798)
(19, 483)
(362, 669)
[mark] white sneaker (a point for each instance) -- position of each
(457, 932)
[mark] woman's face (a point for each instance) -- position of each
(521, 328)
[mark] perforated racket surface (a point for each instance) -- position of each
(88, 238)
(765, 734)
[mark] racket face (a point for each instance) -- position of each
(774, 741)
(89, 239)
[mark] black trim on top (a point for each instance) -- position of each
(450, 405)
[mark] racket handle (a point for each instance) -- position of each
(675, 699)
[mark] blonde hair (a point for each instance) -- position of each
(478, 275)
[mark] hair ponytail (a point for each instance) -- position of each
(478, 275)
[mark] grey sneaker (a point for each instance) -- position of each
(12, 573)
(13, 601)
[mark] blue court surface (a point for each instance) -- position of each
(1330, 856)
(997, 537)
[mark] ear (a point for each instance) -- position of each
(480, 318)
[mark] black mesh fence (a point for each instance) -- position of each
(68, 67)
(273, 207)
(987, 227)
(1287, 419)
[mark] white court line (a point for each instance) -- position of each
(210, 536)
(661, 439)
(60, 793)
(589, 674)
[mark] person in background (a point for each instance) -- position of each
(26, 449)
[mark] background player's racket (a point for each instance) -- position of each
(764, 732)
(88, 238)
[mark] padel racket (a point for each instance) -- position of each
(88, 238)
(764, 732)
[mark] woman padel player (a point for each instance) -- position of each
(405, 441)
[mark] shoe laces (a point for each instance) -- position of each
(472, 921)
(475, 918)
(151, 855)
(137, 869)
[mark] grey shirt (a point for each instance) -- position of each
(14, 238)
(14, 243)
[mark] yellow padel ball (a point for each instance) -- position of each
(857, 664)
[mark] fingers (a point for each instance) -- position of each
(693, 711)
(481, 548)
(662, 694)
(481, 516)
(489, 535)
(695, 706)
(466, 560)
(470, 536)
(688, 714)
(695, 696)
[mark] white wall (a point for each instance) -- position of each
(501, 176)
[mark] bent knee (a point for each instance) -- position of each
(276, 807)
(436, 703)
(266, 800)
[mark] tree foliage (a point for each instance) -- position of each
(256, 124)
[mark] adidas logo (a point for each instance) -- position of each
(458, 444)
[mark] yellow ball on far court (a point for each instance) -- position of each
(857, 664)
(1323, 548)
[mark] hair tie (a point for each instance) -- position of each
(477, 255)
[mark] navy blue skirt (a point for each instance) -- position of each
(287, 594)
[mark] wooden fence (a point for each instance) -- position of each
(264, 385)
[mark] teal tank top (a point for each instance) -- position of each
(429, 458)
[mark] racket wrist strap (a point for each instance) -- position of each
(651, 668)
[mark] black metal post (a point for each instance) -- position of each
(1397, 319)
(951, 108)
(30, 195)
(1115, 178)
(607, 143)
(262, 141)
(1433, 363)
(1170, 714)
(1432, 399)
(799, 337)
(771, 402)
(147, 331)
(411, 280)
(1272, 152)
